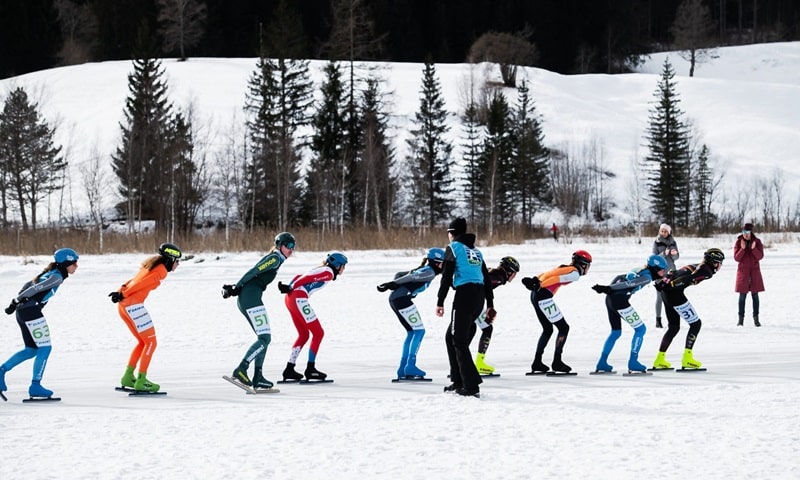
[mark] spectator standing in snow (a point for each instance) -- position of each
(665, 246)
(748, 252)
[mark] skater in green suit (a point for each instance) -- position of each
(249, 290)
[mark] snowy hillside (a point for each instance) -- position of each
(744, 106)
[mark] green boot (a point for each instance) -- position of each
(128, 378)
(661, 361)
(688, 360)
(144, 385)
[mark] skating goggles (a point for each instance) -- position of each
(289, 245)
(746, 231)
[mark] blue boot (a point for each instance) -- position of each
(411, 368)
(3, 386)
(635, 366)
(37, 390)
(401, 371)
(603, 366)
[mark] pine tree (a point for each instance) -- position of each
(325, 181)
(470, 154)
(430, 154)
(156, 146)
(668, 143)
(261, 175)
(703, 189)
(278, 102)
(378, 184)
(531, 164)
(30, 164)
(498, 150)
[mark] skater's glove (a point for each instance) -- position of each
(602, 289)
(12, 307)
(116, 297)
(284, 288)
(231, 291)
(387, 286)
(490, 314)
(658, 286)
(532, 284)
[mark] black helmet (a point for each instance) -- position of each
(509, 264)
(286, 239)
(169, 251)
(713, 255)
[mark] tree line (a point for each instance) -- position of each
(271, 172)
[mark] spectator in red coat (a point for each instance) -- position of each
(748, 251)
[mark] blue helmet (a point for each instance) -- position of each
(65, 256)
(435, 254)
(657, 261)
(336, 260)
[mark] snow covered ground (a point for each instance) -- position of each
(738, 420)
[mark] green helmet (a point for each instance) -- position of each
(286, 239)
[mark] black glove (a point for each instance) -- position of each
(532, 284)
(12, 307)
(387, 286)
(284, 288)
(116, 297)
(601, 288)
(231, 291)
(658, 286)
(490, 314)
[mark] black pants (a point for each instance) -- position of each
(467, 305)
(672, 298)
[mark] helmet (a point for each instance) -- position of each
(435, 254)
(65, 255)
(336, 260)
(581, 257)
(713, 255)
(286, 239)
(657, 261)
(170, 251)
(509, 264)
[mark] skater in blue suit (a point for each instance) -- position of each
(618, 296)
(405, 287)
(28, 305)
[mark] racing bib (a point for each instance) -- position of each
(550, 309)
(141, 319)
(411, 315)
(259, 319)
(39, 331)
(630, 316)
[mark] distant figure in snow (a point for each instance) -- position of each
(748, 252)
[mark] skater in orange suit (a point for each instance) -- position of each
(130, 299)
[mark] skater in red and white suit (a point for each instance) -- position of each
(305, 320)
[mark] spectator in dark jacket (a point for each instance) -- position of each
(748, 252)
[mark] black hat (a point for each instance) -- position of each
(748, 226)
(458, 226)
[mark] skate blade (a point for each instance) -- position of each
(603, 372)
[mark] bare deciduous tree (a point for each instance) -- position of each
(78, 25)
(507, 50)
(96, 186)
(693, 32)
(181, 24)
